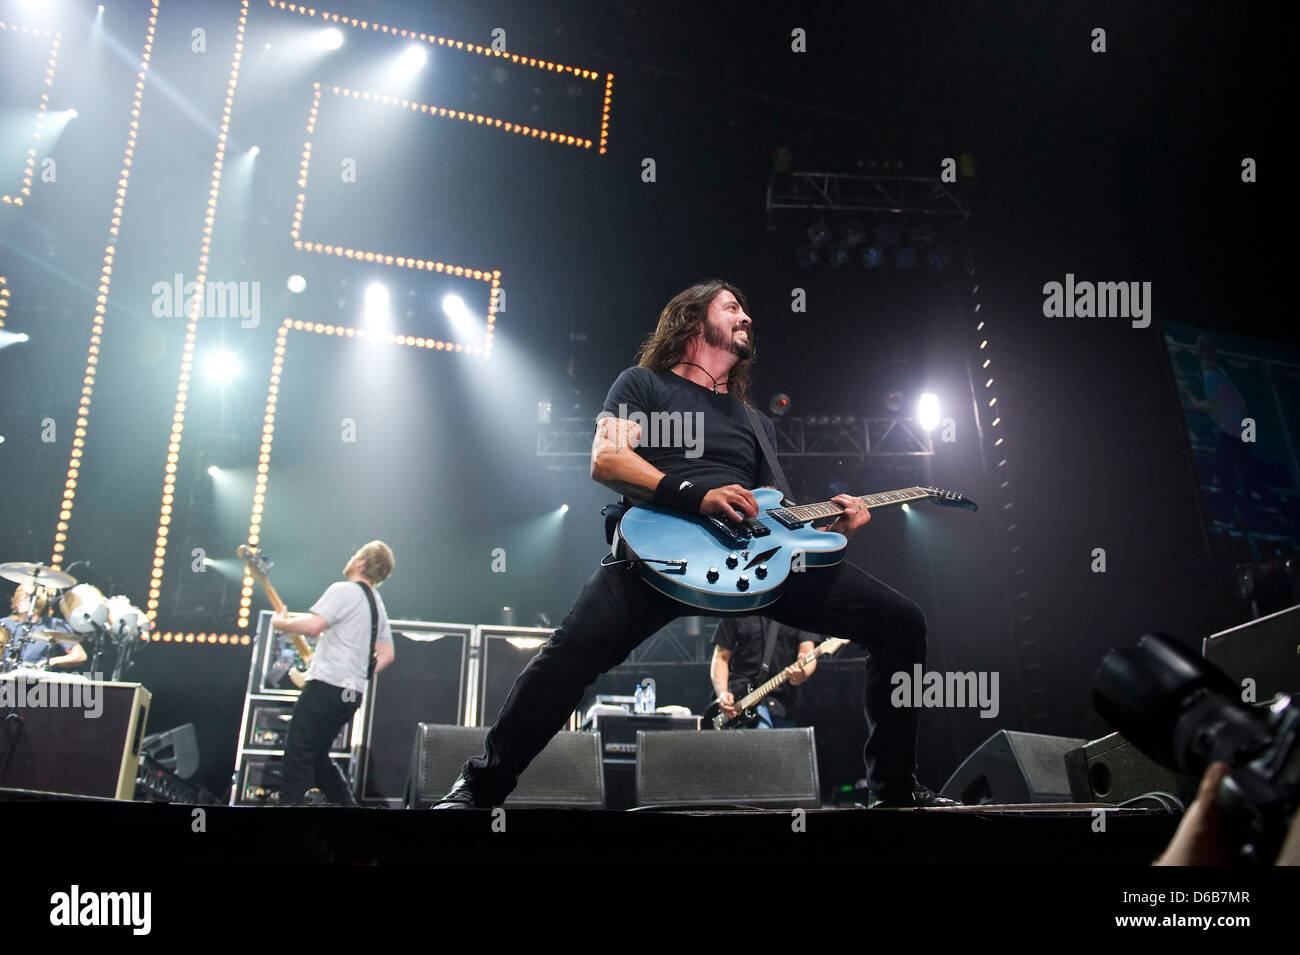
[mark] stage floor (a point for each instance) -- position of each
(1067, 835)
(1006, 874)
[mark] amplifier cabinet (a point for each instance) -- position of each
(258, 779)
(65, 734)
(499, 655)
(425, 684)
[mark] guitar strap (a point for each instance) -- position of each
(769, 454)
(374, 627)
(768, 647)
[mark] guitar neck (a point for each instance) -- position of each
(278, 605)
(829, 509)
(758, 694)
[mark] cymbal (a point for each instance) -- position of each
(21, 572)
(55, 636)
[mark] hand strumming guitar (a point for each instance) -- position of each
(731, 501)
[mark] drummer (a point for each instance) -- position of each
(39, 652)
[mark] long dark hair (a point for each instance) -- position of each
(681, 320)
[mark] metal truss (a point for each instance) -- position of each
(846, 192)
(565, 443)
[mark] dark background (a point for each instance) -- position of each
(1115, 166)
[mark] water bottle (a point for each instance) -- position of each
(648, 695)
(639, 705)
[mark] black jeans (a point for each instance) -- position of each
(321, 711)
(616, 610)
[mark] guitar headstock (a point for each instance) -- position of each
(256, 561)
(831, 644)
(949, 498)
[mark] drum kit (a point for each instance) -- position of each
(84, 615)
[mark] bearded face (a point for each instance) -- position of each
(728, 327)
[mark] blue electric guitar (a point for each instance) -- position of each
(719, 565)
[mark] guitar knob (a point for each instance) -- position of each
(712, 575)
(742, 582)
(732, 560)
(760, 571)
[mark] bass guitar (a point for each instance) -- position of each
(258, 568)
(720, 565)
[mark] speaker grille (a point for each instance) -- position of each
(773, 768)
(567, 773)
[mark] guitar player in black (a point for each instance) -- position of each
(738, 663)
(697, 363)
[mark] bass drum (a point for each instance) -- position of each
(85, 608)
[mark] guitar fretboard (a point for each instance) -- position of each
(812, 512)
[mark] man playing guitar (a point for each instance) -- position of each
(697, 363)
(352, 624)
(738, 666)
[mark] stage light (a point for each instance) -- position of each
(330, 38)
(255, 150)
(2, 439)
(873, 257)
(376, 296)
(221, 366)
(906, 507)
(411, 60)
(70, 113)
(894, 401)
(927, 411)
(296, 283)
(453, 306)
(905, 258)
(780, 403)
(564, 508)
(213, 470)
(375, 314)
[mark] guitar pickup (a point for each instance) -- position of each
(755, 528)
(730, 533)
(782, 515)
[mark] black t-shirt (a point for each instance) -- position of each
(746, 637)
(690, 433)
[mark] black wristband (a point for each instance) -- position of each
(679, 495)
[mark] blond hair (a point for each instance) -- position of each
(377, 561)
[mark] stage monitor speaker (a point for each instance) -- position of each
(1113, 770)
(426, 685)
(1266, 651)
(77, 737)
(766, 768)
(1013, 768)
(566, 774)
